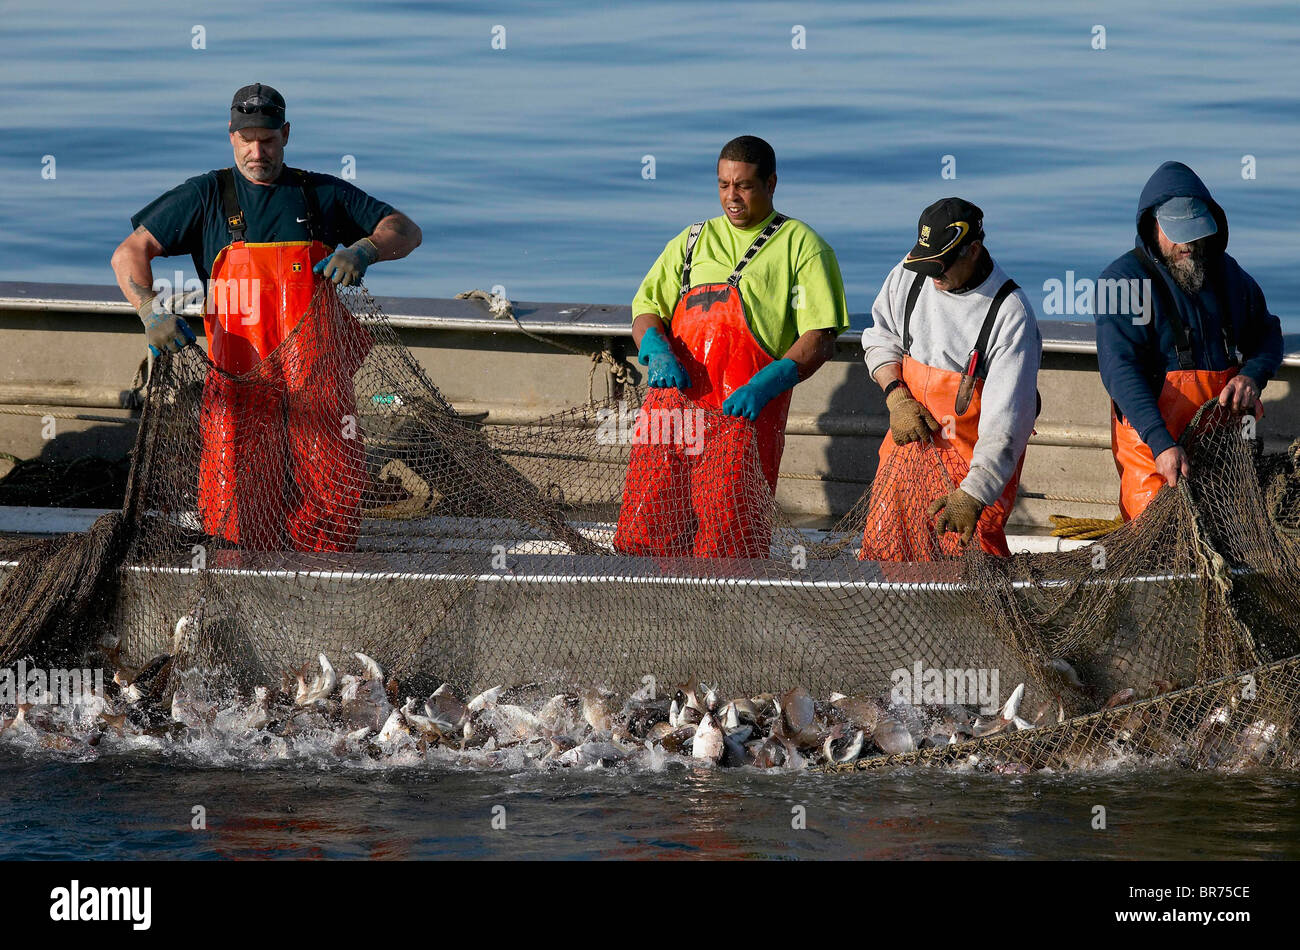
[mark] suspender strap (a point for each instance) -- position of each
(977, 364)
(691, 238)
(1181, 344)
(234, 214)
(773, 226)
(912, 293)
(314, 217)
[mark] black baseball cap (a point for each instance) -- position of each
(944, 229)
(256, 107)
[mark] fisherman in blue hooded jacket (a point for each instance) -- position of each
(1200, 329)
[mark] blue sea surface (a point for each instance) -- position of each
(126, 808)
(524, 165)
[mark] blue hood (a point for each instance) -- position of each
(1176, 180)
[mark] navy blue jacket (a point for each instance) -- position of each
(1135, 358)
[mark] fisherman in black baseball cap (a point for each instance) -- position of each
(256, 107)
(944, 230)
(257, 232)
(955, 347)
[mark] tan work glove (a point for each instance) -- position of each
(960, 513)
(909, 421)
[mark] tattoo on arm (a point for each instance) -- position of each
(141, 292)
(398, 224)
(395, 236)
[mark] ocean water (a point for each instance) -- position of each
(125, 808)
(525, 166)
(528, 167)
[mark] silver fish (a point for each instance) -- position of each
(863, 713)
(646, 693)
(321, 686)
(596, 711)
(394, 728)
(688, 696)
(148, 683)
(484, 699)
(1012, 705)
(444, 705)
(838, 749)
(893, 737)
(659, 731)
(514, 723)
(421, 724)
(557, 713)
(797, 711)
(1065, 671)
(593, 753)
(1123, 697)
(708, 742)
(370, 668)
(730, 717)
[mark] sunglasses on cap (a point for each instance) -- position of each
(259, 105)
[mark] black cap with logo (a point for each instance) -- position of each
(256, 107)
(944, 229)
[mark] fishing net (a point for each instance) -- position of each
(333, 501)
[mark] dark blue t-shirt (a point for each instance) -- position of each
(189, 219)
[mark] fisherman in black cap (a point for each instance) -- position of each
(257, 232)
(955, 346)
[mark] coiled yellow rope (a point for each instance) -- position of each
(1083, 529)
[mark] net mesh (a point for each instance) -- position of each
(333, 501)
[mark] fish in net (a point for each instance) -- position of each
(333, 502)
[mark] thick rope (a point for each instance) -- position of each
(1083, 529)
(63, 414)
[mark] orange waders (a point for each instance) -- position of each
(1184, 391)
(707, 504)
(898, 526)
(276, 472)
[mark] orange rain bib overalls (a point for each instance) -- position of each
(1183, 391)
(711, 504)
(898, 526)
(277, 471)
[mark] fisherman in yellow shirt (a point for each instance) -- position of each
(735, 312)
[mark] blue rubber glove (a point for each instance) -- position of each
(665, 369)
(765, 385)
(348, 266)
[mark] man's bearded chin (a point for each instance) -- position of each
(1189, 272)
(264, 173)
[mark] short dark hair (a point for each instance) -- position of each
(751, 150)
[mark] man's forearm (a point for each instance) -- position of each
(643, 322)
(395, 236)
(887, 373)
(134, 273)
(811, 350)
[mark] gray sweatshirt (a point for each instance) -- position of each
(944, 328)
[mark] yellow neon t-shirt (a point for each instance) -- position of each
(792, 285)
